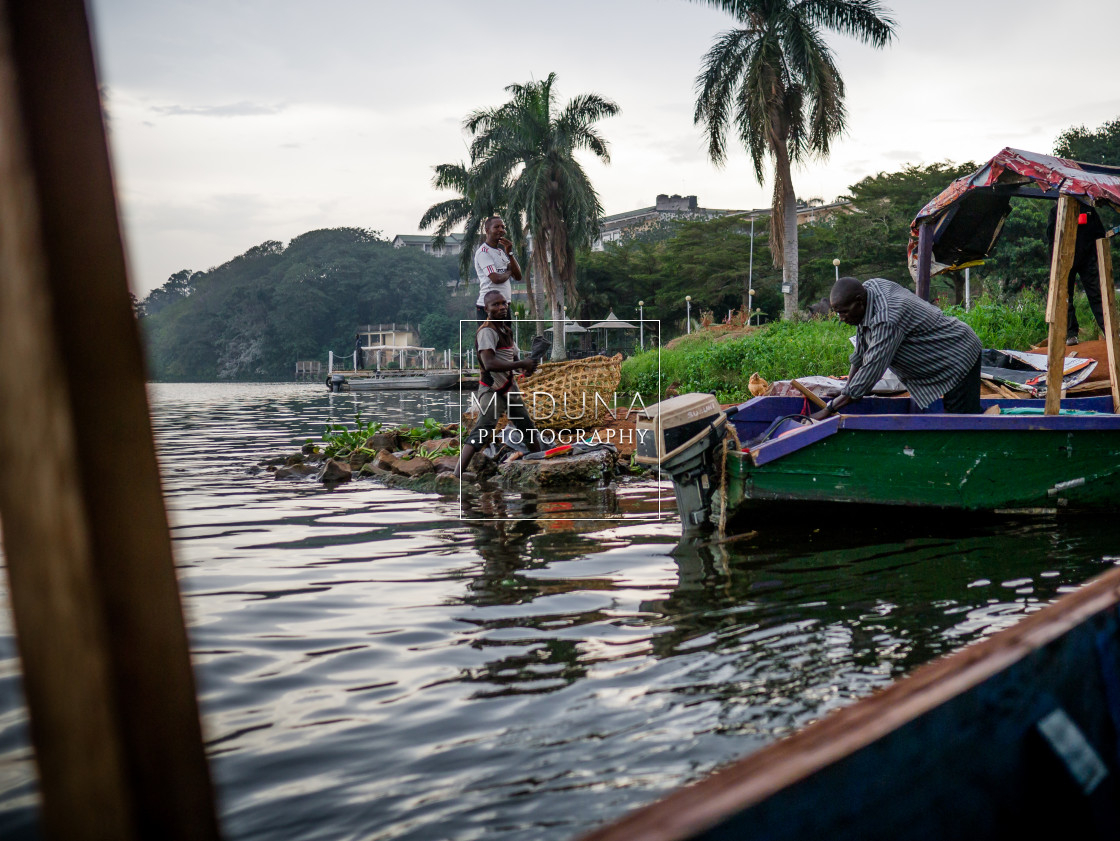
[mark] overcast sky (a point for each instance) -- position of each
(233, 122)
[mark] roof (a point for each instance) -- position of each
(612, 321)
(967, 216)
(421, 239)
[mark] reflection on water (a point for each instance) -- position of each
(372, 667)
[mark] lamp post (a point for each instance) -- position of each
(688, 313)
(641, 325)
(750, 275)
(836, 265)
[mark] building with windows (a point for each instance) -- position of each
(633, 222)
(452, 243)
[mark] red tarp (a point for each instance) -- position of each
(968, 215)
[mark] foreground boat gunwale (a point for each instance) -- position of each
(816, 760)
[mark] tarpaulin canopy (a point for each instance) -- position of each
(967, 217)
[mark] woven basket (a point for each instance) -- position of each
(562, 395)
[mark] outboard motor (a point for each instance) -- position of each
(335, 382)
(683, 436)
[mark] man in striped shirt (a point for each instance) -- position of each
(933, 354)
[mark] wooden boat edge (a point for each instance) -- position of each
(750, 781)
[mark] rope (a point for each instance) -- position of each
(727, 440)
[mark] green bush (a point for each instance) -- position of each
(787, 349)
(1017, 324)
(778, 351)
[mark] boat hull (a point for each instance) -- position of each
(405, 382)
(963, 462)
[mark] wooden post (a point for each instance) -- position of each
(925, 259)
(1108, 304)
(99, 626)
(1065, 240)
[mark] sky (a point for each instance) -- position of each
(234, 122)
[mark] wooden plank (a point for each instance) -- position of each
(809, 395)
(1108, 304)
(1065, 240)
(925, 259)
(99, 626)
(796, 439)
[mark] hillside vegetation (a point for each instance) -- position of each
(255, 316)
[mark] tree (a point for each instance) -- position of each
(776, 80)
(1091, 146)
(439, 331)
(529, 146)
(470, 208)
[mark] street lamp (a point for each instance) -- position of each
(688, 313)
(750, 274)
(641, 325)
(836, 265)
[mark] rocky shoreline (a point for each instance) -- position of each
(428, 466)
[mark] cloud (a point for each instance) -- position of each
(236, 109)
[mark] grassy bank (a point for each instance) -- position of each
(708, 362)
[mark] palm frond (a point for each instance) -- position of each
(723, 68)
(868, 21)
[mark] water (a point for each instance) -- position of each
(372, 667)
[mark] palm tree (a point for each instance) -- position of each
(529, 146)
(474, 203)
(775, 78)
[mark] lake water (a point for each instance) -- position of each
(371, 666)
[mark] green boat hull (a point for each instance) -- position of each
(994, 465)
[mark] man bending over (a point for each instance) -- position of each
(498, 394)
(933, 354)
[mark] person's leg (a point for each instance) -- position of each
(1072, 327)
(1090, 277)
(964, 397)
(483, 430)
(521, 419)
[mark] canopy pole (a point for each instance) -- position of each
(99, 625)
(1061, 261)
(1108, 304)
(925, 258)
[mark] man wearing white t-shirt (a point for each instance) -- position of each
(494, 264)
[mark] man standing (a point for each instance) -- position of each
(494, 264)
(1089, 230)
(933, 354)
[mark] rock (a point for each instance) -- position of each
(275, 461)
(371, 469)
(294, 471)
(413, 467)
(587, 468)
(450, 431)
(383, 441)
(385, 460)
(359, 457)
(438, 444)
(334, 471)
(483, 466)
(309, 449)
(448, 463)
(294, 458)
